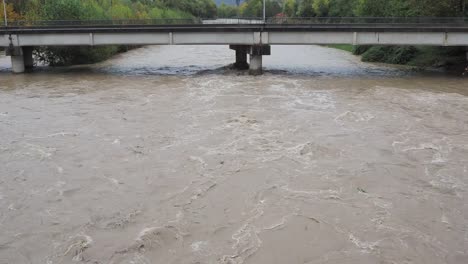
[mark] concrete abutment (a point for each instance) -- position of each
(21, 58)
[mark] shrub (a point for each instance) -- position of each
(62, 56)
(359, 50)
(390, 54)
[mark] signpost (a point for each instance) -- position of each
(5, 13)
(264, 11)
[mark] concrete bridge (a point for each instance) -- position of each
(246, 37)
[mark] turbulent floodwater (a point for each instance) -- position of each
(161, 155)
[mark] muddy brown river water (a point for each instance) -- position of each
(160, 155)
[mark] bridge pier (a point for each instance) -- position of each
(256, 58)
(21, 58)
(241, 56)
(17, 59)
(28, 58)
(256, 63)
(17, 64)
(256, 52)
(241, 60)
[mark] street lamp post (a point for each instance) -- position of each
(5, 13)
(264, 11)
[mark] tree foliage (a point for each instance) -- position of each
(306, 9)
(321, 7)
(254, 8)
(11, 13)
(289, 8)
(227, 11)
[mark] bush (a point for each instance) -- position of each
(402, 55)
(390, 54)
(359, 50)
(62, 56)
(375, 54)
(439, 57)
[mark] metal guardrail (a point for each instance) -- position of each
(116, 22)
(243, 20)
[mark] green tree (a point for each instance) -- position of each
(305, 9)
(342, 8)
(290, 8)
(62, 10)
(254, 8)
(92, 10)
(321, 7)
(227, 11)
(375, 8)
(122, 12)
(273, 8)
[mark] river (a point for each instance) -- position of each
(162, 155)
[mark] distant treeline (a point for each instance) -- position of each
(345, 8)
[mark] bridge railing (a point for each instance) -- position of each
(235, 21)
(115, 22)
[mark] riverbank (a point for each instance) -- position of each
(452, 59)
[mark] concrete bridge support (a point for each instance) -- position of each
(21, 58)
(256, 58)
(17, 64)
(17, 59)
(241, 56)
(256, 65)
(256, 52)
(28, 58)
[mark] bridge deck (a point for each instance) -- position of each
(281, 31)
